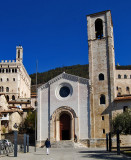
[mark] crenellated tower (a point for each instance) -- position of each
(19, 54)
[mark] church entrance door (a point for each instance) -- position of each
(65, 127)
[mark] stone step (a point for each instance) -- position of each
(62, 144)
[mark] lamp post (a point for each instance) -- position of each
(36, 108)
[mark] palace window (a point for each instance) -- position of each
(101, 77)
(19, 53)
(119, 76)
(7, 89)
(127, 88)
(1, 89)
(102, 99)
(125, 76)
(13, 97)
(7, 98)
(99, 28)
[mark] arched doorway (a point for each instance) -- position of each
(65, 127)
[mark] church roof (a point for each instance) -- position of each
(65, 76)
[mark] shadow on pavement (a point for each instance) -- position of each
(102, 155)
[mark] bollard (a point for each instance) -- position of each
(118, 143)
(15, 143)
(107, 142)
(27, 143)
(24, 143)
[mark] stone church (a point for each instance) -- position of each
(69, 105)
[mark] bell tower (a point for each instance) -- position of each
(101, 71)
(19, 54)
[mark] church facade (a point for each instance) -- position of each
(70, 106)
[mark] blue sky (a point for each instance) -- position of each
(54, 32)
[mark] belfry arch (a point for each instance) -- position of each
(63, 124)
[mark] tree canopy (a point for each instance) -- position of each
(122, 122)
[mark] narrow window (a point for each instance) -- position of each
(1, 79)
(103, 131)
(13, 79)
(7, 89)
(99, 28)
(127, 88)
(6, 70)
(13, 97)
(101, 77)
(7, 98)
(35, 103)
(125, 76)
(103, 118)
(12, 70)
(125, 108)
(119, 94)
(15, 70)
(119, 76)
(9, 70)
(102, 99)
(117, 88)
(130, 76)
(18, 53)
(7, 79)
(3, 71)
(1, 89)
(0, 70)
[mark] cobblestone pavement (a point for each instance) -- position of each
(66, 154)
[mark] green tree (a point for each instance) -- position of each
(122, 122)
(28, 126)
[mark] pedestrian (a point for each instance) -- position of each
(48, 145)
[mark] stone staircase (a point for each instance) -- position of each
(67, 144)
(62, 144)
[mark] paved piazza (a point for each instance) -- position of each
(66, 154)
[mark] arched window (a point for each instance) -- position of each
(13, 97)
(9, 70)
(7, 89)
(7, 98)
(127, 88)
(101, 77)
(125, 76)
(15, 70)
(119, 76)
(18, 53)
(0, 70)
(7, 79)
(6, 70)
(12, 70)
(102, 99)
(1, 89)
(1, 79)
(99, 28)
(35, 103)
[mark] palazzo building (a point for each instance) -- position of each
(69, 105)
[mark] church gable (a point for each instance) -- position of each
(67, 77)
